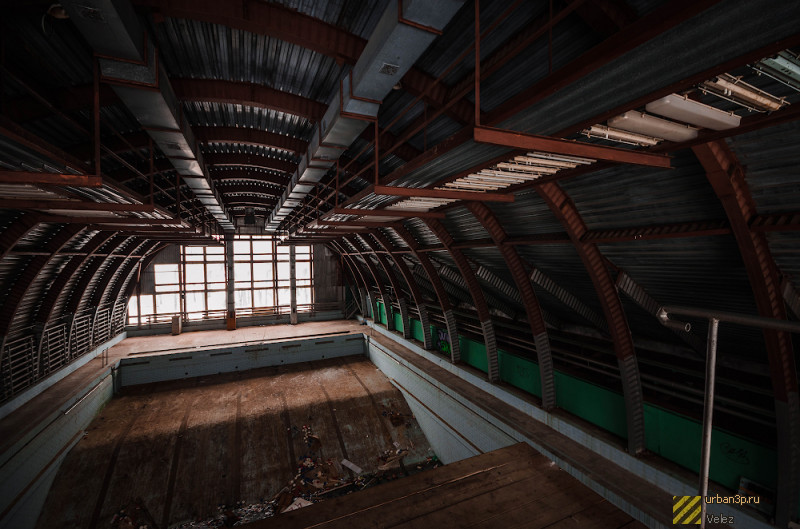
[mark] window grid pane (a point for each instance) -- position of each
(261, 273)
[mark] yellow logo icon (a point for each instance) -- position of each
(686, 509)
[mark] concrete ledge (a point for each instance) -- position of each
(244, 321)
(213, 360)
(29, 466)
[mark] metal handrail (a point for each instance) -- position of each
(714, 318)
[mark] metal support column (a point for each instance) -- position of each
(230, 301)
(293, 284)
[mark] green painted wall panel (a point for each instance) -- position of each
(519, 372)
(668, 434)
(677, 438)
(416, 330)
(473, 353)
(382, 313)
(597, 405)
(398, 322)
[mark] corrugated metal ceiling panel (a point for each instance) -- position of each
(192, 49)
(228, 115)
(628, 195)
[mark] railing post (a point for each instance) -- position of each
(91, 328)
(708, 413)
(39, 333)
(71, 318)
(6, 387)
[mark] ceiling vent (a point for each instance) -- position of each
(91, 13)
(389, 69)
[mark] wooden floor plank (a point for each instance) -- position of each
(387, 493)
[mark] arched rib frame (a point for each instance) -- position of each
(532, 309)
(438, 288)
(412, 287)
(489, 338)
(594, 263)
(727, 177)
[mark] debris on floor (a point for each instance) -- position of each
(395, 417)
(133, 516)
(315, 480)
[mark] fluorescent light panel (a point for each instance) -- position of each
(642, 123)
(681, 108)
(622, 136)
(737, 91)
(561, 158)
(528, 168)
(545, 162)
(784, 67)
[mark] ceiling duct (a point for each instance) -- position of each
(129, 62)
(404, 32)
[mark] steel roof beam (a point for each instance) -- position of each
(106, 277)
(493, 368)
(357, 273)
(419, 301)
(532, 308)
(17, 231)
(395, 284)
(19, 287)
(49, 179)
(74, 205)
(727, 178)
(594, 263)
(387, 299)
(204, 135)
(441, 193)
(295, 28)
(56, 289)
(247, 94)
(250, 160)
(387, 213)
(648, 27)
(145, 261)
(131, 262)
(438, 288)
(532, 142)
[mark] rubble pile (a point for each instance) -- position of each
(317, 479)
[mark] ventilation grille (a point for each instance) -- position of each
(389, 69)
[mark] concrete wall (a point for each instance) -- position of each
(216, 359)
(27, 469)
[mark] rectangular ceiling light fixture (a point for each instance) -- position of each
(642, 123)
(518, 170)
(419, 204)
(681, 108)
(737, 91)
(631, 138)
(784, 67)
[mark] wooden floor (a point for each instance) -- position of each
(513, 487)
(185, 447)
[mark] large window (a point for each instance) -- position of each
(262, 282)
(262, 276)
(204, 273)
